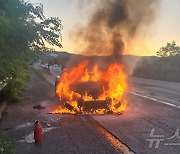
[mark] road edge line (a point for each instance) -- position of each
(155, 100)
(109, 136)
(128, 150)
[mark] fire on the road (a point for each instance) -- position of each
(82, 87)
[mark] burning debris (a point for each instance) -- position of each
(85, 90)
(39, 107)
(88, 88)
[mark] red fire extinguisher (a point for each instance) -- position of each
(37, 132)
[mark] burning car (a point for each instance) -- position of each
(91, 90)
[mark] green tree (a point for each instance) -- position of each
(24, 33)
(171, 49)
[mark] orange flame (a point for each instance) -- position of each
(116, 86)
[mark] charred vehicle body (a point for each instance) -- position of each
(91, 91)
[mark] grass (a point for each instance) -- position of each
(6, 145)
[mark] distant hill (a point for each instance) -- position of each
(140, 66)
(130, 61)
(159, 68)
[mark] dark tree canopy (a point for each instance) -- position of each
(171, 49)
(24, 32)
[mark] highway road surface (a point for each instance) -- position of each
(149, 125)
(61, 133)
(151, 122)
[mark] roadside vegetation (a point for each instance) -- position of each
(166, 66)
(6, 145)
(24, 35)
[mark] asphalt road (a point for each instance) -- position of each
(152, 116)
(161, 90)
(61, 133)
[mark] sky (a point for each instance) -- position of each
(164, 29)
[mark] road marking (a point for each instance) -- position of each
(110, 137)
(153, 99)
(52, 83)
(28, 124)
(120, 147)
(30, 137)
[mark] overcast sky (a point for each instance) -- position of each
(165, 29)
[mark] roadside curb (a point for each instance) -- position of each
(3, 108)
(109, 136)
(44, 76)
(121, 147)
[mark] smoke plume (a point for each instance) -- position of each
(113, 23)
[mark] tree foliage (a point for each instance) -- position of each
(6, 145)
(171, 49)
(24, 33)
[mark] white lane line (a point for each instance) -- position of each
(28, 124)
(159, 101)
(150, 98)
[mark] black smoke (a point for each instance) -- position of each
(113, 23)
